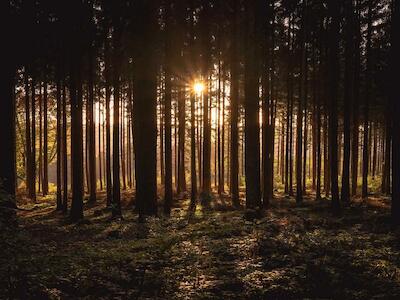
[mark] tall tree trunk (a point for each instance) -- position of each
(116, 199)
(222, 176)
(387, 150)
(206, 188)
(59, 140)
(92, 130)
(64, 150)
(366, 106)
(7, 129)
(168, 107)
(40, 171)
(333, 77)
(45, 143)
(348, 100)
(234, 146)
(355, 107)
(145, 79)
(99, 133)
(181, 141)
(76, 212)
(251, 104)
(28, 141)
(108, 171)
(33, 142)
(299, 121)
(395, 105)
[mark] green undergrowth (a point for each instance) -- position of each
(288, 252)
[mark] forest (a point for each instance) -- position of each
(199, 149)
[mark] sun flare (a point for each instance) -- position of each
(198, 87)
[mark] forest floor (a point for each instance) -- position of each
(289, 252)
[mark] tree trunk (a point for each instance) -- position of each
(7, 130)
(59, 141)
(167, 108)
(366, 107)
(181, 141)
(45, 143)
(107, 70)
(92, 131)
(333, 77)
(251, 104)
(28, 141)
(395, 105)
(234, 146)
(348, 100)
(64, 151)
(76, 212)
(116, 199)
(145, 79)
(33, 142)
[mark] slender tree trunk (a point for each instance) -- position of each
(76, 212)
(299, 121)
(181, 141)
(193, 174)
(64, 151)
(387, 150)
(7, 129)
(145, 88)
(45, 143)
(28, 141)
(100, 141)
(92, 131)
(40, 175)
(168, 107)
(59, 140)
(33, 142)
(109, 187)
(234, 145)
(122, 140)
(355, 114)
(333, 77)
(222, 175)
(366, 107)
(116, 199)
(395, 105)
(348, 99)
(251, 104)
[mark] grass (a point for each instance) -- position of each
(289, 252)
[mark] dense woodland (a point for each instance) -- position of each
(246, 112)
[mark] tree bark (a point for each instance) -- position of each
(251, 104)
(145, 87)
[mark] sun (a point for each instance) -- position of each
(198, 87)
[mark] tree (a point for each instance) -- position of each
(107, 76)
(116, 198)
(348, 99)
(92, 128)
(334, 13)
(366, 142)
(168, 107)
(59, 139)
(251, 105)
(205, 65)
(45, 142)
(234, 147)
(395, 104)
(7, 127)
(75, 90)
(145, 85)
